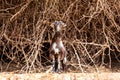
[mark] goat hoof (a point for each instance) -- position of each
(52, 71)
(58, 71)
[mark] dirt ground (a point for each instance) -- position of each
(63, 76)
(90, 74)
(103, 74)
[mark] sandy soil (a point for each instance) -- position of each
(90, 74)
(63, 76)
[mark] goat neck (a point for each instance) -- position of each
(58, 28)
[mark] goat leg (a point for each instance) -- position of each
(63, 65)
(58, 69)
(53, 65)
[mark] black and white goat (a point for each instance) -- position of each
(57, 50)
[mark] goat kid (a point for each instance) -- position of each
(57, 50)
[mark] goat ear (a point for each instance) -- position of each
(52, 25)
(63, 24)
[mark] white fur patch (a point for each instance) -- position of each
(61, 44)
(55, 45)
(55, 48)
(58, 28)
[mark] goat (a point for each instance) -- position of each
(57, 50)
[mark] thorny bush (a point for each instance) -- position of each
(92, 35)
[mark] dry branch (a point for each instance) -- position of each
(91, 37)
(16, 15)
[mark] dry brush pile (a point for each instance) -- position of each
(92, 35)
